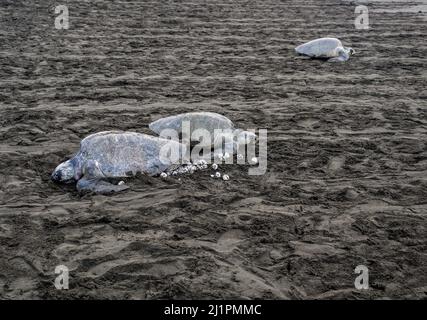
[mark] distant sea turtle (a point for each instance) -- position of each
(211, 122)
(325, 48)
(116, 154)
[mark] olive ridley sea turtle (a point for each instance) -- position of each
(325, 48)
(215, 125)
(117, 154)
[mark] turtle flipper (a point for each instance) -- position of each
(343, 55)
(338, 59)
(94, 181)
(99, 186)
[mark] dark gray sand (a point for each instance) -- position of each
(347, 172)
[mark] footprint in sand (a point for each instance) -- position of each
(335, 164)
(229, 240)
(308, 123)
(6, 230)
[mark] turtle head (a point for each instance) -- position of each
(351, 51)
(245, 137)
(66, 172)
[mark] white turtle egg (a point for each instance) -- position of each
(217, 174)
(225, 177)
(121, 183)
(200, 163)
(212, 176)
(214, 166)
(164, 175)
(254, 160)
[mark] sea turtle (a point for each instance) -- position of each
(116, 154)
(219, 128)
(325, 48)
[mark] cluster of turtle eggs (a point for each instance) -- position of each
(188, 168)
(217, 174)
(223, 157)
(197, 165)
(202, 164)
(226, 156)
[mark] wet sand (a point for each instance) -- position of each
(347, 160)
